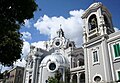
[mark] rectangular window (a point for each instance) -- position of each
(95, 56)
(116, 50)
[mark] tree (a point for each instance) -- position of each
(52, 80)
(56, 78)
(12, 16)
(58, 75)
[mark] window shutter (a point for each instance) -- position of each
(116, 50)
(119, 75)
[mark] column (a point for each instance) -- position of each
(34, 70)
(106, 60)
(78, 77)
(86, 65)
(63, 74)
(78, 63)
(37, 69)
(71, 78)
(36, 59)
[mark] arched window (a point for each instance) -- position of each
(74, 80)
(70, 45)
(92, 22)
(81, 62)
(82, 78)
(107, 24)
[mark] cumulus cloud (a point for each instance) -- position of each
(3, 68)
(20, 62)
(39, 44)
(25, 49)
(72, 26)
(26, 35)
(116, 29)
(27, 23)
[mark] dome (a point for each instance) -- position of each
(57, 58)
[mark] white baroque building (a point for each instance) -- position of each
(98, 61)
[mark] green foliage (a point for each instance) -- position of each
(58, 75)
(12, 15)
(56, 78)
(52, 80)
(17, 10)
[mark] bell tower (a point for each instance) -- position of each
(97, 21)
(96, 30)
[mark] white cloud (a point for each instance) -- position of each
(39, 44)
(3, 68)
(26, 35)
(27, 23)
(72, 26)
(116, 29)
(20, 63)
(26, 48)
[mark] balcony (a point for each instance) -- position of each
(78, 68)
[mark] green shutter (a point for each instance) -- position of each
(119, 75)
(117, 50)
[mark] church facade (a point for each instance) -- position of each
(97, 61)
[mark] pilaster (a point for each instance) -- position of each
(71, 78)
(78, 77)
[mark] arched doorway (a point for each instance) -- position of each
(82, 78)
(74, 79)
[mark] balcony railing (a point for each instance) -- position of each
(78, 68)
(93, 33)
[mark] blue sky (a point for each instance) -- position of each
(55, 12)
(57, 8)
